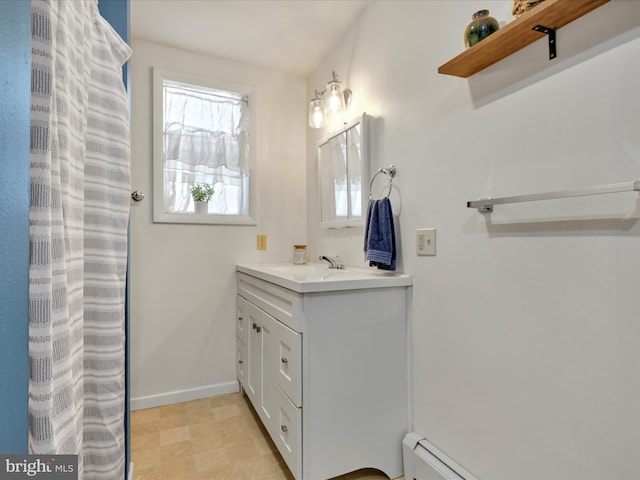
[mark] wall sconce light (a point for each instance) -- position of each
(337, 100)
(316, 111)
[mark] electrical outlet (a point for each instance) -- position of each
(262, 242)
(426, 241)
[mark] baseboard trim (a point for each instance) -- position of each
(179, 396)
(130, 476)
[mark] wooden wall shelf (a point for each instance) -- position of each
(517, 35)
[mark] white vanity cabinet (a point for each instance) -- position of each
(325, 368)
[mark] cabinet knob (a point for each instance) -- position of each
(239, 318)
(284, 360)
(240, 362)
(284, 428)
(254, 326)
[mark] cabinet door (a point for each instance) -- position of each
(254, 371)
(289, 362)
(261, 371)
(267, 400)
(242, 321)
(242, 359)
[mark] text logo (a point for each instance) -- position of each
(40, 467)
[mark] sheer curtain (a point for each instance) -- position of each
(347, 177)
(80, 197)
(205, 140)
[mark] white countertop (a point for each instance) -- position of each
(316, 277)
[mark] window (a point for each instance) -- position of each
(202, 134)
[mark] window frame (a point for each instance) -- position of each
(329, 218)
(159, 213)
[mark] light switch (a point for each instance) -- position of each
(426, 241)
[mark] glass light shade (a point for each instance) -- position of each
(335, 97)
(316, 113)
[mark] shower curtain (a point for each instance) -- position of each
(80, 200)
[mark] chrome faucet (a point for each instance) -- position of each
(332, 263)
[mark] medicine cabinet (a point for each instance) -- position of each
(343, 173)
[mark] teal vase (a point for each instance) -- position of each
(481, 26)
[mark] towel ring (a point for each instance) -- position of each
(390, 172)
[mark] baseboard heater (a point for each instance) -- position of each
(423, 461)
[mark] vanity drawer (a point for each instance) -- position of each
(289, 358)
(287, 433)
(282, 304)
(242, 320)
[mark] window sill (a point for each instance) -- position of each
(205, 219)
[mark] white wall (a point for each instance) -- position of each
(526, 330)
(183, 276)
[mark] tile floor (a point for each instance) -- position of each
(217, 438)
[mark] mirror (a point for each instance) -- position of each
(343, 173)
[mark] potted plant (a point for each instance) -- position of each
(201, 193)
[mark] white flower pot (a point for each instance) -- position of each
(202, 208)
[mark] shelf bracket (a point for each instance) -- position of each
(551, 32)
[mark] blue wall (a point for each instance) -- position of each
(15, 74)
(116, 12)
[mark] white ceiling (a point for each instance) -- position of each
(288, 35)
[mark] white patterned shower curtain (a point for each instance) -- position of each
(80, 200)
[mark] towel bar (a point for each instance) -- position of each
(485, 205)
(390, 172)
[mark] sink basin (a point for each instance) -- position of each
(306, 273)
(317, 277)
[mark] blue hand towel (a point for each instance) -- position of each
(379, 236)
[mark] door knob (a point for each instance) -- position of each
(137, 195)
